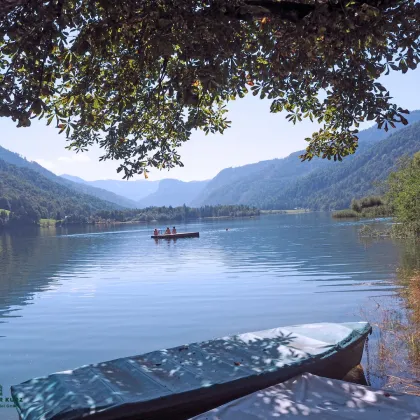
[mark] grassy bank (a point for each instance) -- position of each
(368, 207)
(47, 222)
(345, 214)
(396, 361)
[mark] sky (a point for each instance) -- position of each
(255, 135)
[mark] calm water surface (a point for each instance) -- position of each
(73, 297)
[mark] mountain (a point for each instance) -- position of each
(244, 184)
(279, 183)
(133, 190)
(333, 188)
(168, 192)
(31, 195)
(273, 184)
(227, 177)
(172, 192)
(102, 194)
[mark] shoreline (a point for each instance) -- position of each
(51, 223)
(172, 220)
(141, 222)
(296, 211)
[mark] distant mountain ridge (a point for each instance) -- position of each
(15, 159)
(167, 192)
(133, 190)
(173, 192)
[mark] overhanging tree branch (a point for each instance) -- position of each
(102, 72)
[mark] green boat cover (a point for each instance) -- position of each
(141, 384)
(310, 397)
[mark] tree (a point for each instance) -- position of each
(404, 195)
(138, 76)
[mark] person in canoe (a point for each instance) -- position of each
(167, 231)
(155, 232)
(174, 231)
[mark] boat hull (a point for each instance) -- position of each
(185, 381)
(177, 235)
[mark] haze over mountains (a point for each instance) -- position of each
(133, 190)
(167, 192)
(274, 184)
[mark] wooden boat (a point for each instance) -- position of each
(184, 381)
(177, 235)
(310, 397)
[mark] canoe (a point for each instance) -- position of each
(185, 381)
(310, 397)
(178, 235)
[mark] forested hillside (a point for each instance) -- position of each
(28, 196)
(333, 188)
(288, 183)
(227, 177)
(260, 179)
(102, 194)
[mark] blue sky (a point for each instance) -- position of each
(255, 135)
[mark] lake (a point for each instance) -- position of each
(70, 297)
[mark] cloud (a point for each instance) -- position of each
(46, 164)
(79, 158)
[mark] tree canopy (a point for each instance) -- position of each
(138, 76)
(404, 194)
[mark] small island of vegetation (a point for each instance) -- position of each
(400, 200)
(372, 206)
